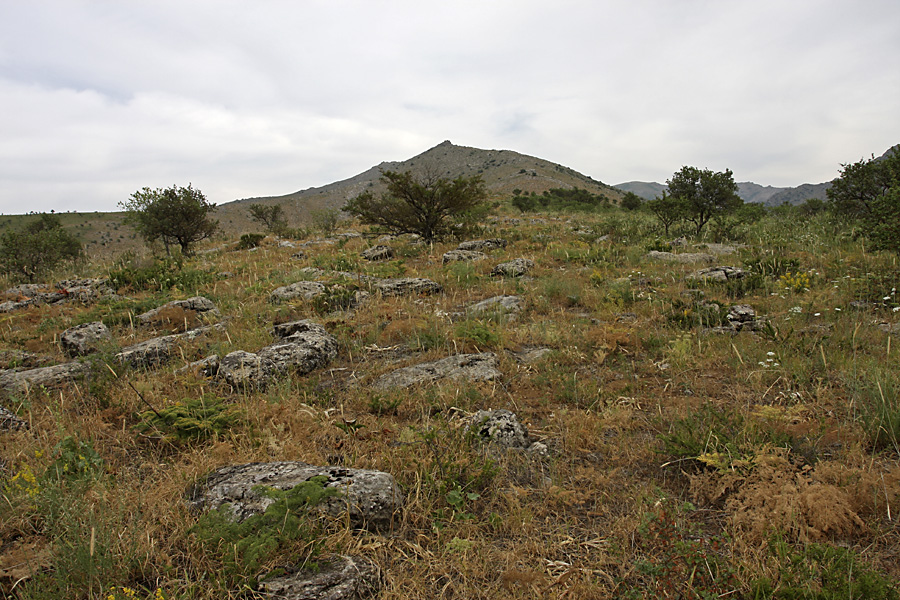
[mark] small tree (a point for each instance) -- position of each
(668, 210)
(869, 193)
(174, 215)
(704, 194)
(631, 201)
(38, 248)
(427, 205)
(269, 216)
(325, 220)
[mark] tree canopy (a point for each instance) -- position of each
(704, 194)
(424, 204)
(174, 215)
(868, 192)
(37, 248)
(270, 216)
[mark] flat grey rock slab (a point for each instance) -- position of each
(503, 304)
(466, 367)
(462, 256)
(378, 253)
(371, 499)
(488, 244)
(83, 339)
(513, 268)
(407, 286)
(305, 290)
(719, 274)
(338, 578)
(156, 351)
(52, 376)
(197, 304)
(684, 257)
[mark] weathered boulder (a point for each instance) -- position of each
(286, 244)
(302, 347)
(9, 421)
(684, 257)
(42, 376)
(500, 427)
(468, 367)
(462, 255)
(743, 316)
(156, 351)
(31, 294)
(83, 339)
(379, 252)
(371, 499)
(11, 359)
(306, 290)
(716, 274)
(488, 244)
(299, 255)
(406, 286)
(197, 304)
(207, 367)
(85, 290)
(337, 578)
(513, 268)
(497, 304)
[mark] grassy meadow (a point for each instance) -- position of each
(682, 462)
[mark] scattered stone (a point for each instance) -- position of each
(348, 235)
(9, 421)
(85, 290)
(197, 304)
(298, 255)
(626, 317)
(742, 315)
(531, 354)
(500, 427)
(489, 244)
(686, 257)
(716, 274)
(206, 367)
(386, 238)
(513, 268)
(42, 376)
(302, 347)
(286, 244)
(307, 290)
(497, 304)
(462, 255)
(407, 286)
(467, 367)
(719, 249)
(891, 328)
(378, 253)
(156, 351)
(371, 499)
(677, 242)
(83, 339)
(339, 578)
(13, 359)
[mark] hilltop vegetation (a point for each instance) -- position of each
(723, 433)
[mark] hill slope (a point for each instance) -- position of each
(502, 170)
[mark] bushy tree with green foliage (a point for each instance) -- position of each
(631, 201)
(704, 194)
(868, 192)
(174, 215)
(39, 247)
(269, 216)
(668, 209)
(425, 204)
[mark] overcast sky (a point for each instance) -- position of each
(101, 98)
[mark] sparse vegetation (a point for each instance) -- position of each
(38, 248)
(270, 216)
(681, 458)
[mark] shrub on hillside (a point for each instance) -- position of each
(38, 248)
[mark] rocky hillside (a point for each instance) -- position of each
(747, 190)
(502, 170)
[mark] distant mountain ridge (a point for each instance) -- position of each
(748, 191)
(503, 171)
(753, 192)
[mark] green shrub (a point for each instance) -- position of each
(156, 274)
(250, 240)
(478, 333)
(195, 419)
(38, 248)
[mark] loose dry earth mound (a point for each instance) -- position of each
(563, 414)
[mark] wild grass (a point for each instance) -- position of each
(681, 462)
